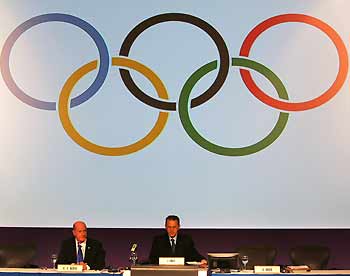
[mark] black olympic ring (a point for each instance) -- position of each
(216, 37)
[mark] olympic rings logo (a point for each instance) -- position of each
(184, 104)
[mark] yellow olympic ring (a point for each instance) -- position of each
(111, 151)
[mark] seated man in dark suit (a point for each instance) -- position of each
(82, 250)
(174, 244)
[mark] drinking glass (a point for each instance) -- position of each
(244, 260)
(53, 260)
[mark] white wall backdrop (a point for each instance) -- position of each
(299, 181)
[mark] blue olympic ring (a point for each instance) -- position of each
(66, 18)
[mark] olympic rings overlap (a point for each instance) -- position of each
(328, 30)
(219, 42)
(184, 100)
(116, 151)
(203, 142)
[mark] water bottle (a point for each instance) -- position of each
(54, 260)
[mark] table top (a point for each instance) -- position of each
(313, 272)
(168, 267)
(99, 272)
(52, 271)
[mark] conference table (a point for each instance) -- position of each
(162, 271)
(313, 273)
(50, 272)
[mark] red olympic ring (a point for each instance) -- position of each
(296, 106)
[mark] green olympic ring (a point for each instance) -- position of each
(214, 148)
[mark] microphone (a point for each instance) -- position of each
(133, 255)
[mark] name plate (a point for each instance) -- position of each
(171, 261)
(127, 273)
(275, 269)
(69, 268)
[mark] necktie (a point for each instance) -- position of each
(172, 246)
(80, 255)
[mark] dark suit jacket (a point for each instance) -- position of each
(94, 253)
(184, 248)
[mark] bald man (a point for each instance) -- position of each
(82, 250)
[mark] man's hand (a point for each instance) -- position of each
(85, 266)
(204, 263)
